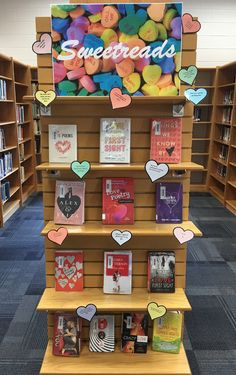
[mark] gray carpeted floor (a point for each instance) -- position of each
(210, 334)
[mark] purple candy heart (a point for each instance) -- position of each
(75, 33)
(176, 27)
(94, 8)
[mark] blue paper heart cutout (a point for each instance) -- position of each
(195, 96)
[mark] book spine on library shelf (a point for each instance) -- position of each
(37, 143)
(115, 140)
(6, 164)
(21, 151)
(20, 133)
(161, 272)
(166, 140)
(5, 190)
(134, 332)
(22, 173)
(169, 202)
(68, 271)
(3, 89)
(227, 115)
(117, 272)
(69, 202)
(117, 200)
(2, 139)
(167, 332)
(20, 114)
(62, 143)
(228, 97)
(197, 114)
(67, 334)
(102, 333)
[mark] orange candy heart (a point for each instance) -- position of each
(107, 65)
(55, 36)
(74, 63)
(164, 81)
(92, 65)
(110, 17)
(96, 29)
(79, 11)
(132, 43)
(156, 11)
(125, 67)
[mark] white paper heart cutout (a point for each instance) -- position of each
(156, 171)
(70, 258)
(121, 237)
(183, 235)
(79, 265)
(69, 272)
(63, 282)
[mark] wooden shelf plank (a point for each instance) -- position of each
(13, 190)
(5, 78)
(117, 363)
(218, 178)
(8, 174)
(218, 192)
(140, 228)
(227, 85)
(202, 122)
(117, 167)
(221, 141)
(220, 161)
(6, 101)
(8, 149)
(52, 300)
(21, 84)
(232, 183)
(10, 208)
(7, 123)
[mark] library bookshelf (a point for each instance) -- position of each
(222, 171)
(16, 137)
(94, 238)
(202, 128)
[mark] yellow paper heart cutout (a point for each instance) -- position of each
(45, 98)
(155, 311)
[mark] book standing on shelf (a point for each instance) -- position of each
(223, 154)
(197, 114)
(102, 334)
(68, 271)
(62, 143)
(161, 271)
(5, 190)
(22, 173)
(20, 114)
(117, 200)
(67, 335)
(225, 134)
(117, 272)
(227, 115)
(221, 170)
(2, 139)
(3, 89)
(134, 335)
(20, 133)
(21, 151)
(166, 140)
(115, 140)
(169, 202)
(6, 164)
(228, 97)
(69, 202)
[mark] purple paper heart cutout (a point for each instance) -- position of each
(86, 312)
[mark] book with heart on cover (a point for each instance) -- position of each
(166, 140)
(69, 202)
(68, 271)
(117, 272)
(102, 333)
(161, 271)
(62, 143)
(67, 334)
(169, 202)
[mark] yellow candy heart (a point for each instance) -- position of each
(150, 90)
(177, 81)
(169, 91)
(170, 14)
(95, 17)
(149, 31)
(109, 36)
(58, 12)
(45, 98)
(177, 59)
(152, 74)
(155, 311)
(123, 38)
(132, 82)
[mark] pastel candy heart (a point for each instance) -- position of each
(176, 28)
(164, 81)
(121, 8)
(125, 38)
(135, 45)
(44, 45)
(141, 63)
(81, 22)
(188, 75)
(75, 33)
(98, 93)
(56, 37)
(57, 11)
(83, 92)
(45, 98)
(151, 74)
(129, 8)
(138, 93)
(57, 236)
(150, 90)
(74, 63)
(92, 65)
(132, 82)
(96, 29)
(76, 74)
(167, 65)
(142, 15)
(119, 100)
(76, 13)
(125, 67)
(177, 59)
(156, 311)
(107, 65)
(98, 78)
(110, 16)
(88, 83)
(108, 36)
(93, 8)
(119, 55)
(156, 171)
(177, 81)
(169, 91)
(157, 59)
(130, 25)
(156, 12)
(67, 86)
(114, 81)
(67, 8)
(92, 41)
(86, 312)
(80, 169)
(95, 17)
(60, 24)
(162, 32)
(169, 15)
(183, 235)
(148, 31)
(189, 25)
(195, 96)
(121, 237)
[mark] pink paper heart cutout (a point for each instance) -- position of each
(190, 26)
(57, 236)
(183, 235)
(119, 100)
(44, 45)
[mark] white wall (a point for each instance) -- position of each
(216, 39)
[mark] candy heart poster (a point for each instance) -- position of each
(134, 47)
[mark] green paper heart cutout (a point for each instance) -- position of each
(80, 169)
(188, 75)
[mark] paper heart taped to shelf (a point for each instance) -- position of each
(156, 171)
(195, 96)
(183, 235)
(190, 26)
(119, 100)
(57, 236)
(45, 97)
(43, 46)
(80, 169)
(121, 237)
(156, 311)
(86, 312)
(188, 75)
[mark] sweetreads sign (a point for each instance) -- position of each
(136, 47)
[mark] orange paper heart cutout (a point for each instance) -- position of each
(57, 236)
(119, 100)
(190, 26)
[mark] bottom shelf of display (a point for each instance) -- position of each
(116, 363)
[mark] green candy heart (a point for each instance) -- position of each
(188, 75)
(130, 25)
(67, 8)
(80, 169)
(67, 86)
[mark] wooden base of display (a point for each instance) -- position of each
(116, 363)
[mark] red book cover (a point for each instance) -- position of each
(69, 202)
(118, 200)
(117, 272)
(67, 333)
(166, 140)
(69, 271)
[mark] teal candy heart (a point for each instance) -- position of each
(188, 75)
(195, 96)
(80, 169)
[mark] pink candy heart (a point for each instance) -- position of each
(44, 45)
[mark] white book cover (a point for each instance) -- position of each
(115, 140)
(117, 272)
(102, 334)
(62, 143)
